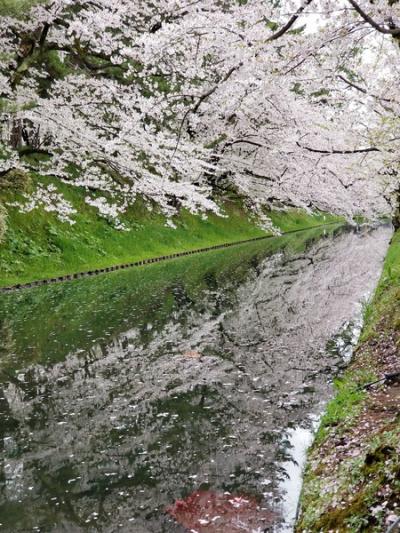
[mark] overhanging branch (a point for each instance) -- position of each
(339, 152)
(290, 22)
(395, 32)
(364, 91)
(244, 141)
(211, 91)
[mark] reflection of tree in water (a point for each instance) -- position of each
(223, 291)
(211, 280)
(7, 345)
(255, 264)
(54, 321)
(10, 469)
(8, 423)
(132, 424)
(9, 472)
(181, 295)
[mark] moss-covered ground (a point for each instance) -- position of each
(38, 245)
(352, 481)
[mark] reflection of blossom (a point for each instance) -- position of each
(13, 470)
(116, 401)
(208, 511)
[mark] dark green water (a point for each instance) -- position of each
(123, 393)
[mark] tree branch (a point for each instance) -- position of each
(364, 91)
(395, 32)
(213, 89)
(171, 18)
(341, 152)
(290, 22)
(201, 99)
(44, 34)
(351, 84)
(245, 141)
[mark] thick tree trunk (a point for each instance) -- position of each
(396, 220)
(16, 133)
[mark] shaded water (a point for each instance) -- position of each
(180, 381)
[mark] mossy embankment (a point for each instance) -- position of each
(352, 480)
(37, 245)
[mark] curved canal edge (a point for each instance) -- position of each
(150, 260)
(352, 476)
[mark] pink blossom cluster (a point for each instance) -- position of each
(292, 103)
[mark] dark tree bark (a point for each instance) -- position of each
(16, 134)
(396, 216)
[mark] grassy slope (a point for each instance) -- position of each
(352, 481)
(37, 245)
(15, 7)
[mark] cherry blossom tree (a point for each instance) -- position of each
(179, 99)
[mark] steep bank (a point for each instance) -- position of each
(37, 244)
(352, 481)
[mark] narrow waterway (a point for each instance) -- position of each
(166, 398)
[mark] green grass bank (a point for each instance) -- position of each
(37, 245)
(352, 480)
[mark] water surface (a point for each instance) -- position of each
(182, 381)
